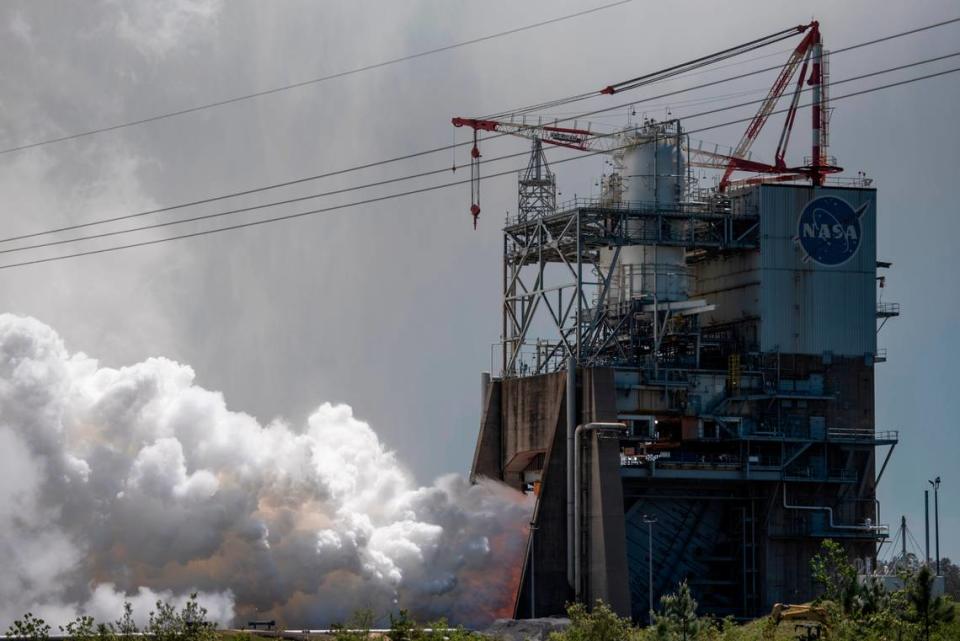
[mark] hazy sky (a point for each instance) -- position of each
(392, 308)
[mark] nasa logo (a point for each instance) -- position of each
(828, 230)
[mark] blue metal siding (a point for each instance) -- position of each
(806, 307)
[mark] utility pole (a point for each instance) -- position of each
(936, 521)
(903, 541)
(926, 527)
(650, 520)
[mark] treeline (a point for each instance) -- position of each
(165, 623)
(848, 609)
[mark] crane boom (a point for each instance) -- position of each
(806, 62)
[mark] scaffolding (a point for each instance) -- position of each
(552, 275)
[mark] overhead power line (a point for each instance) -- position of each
(304, 83)
(449, 147)
(421, 190)
(658, 76)
(415, 176)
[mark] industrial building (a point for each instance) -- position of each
(686, 373)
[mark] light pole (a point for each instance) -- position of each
(936, 520)
(650, 520)
(926, 527)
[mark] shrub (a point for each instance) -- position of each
(599, 624)
(30, 627)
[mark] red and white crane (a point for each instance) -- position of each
(806, 63)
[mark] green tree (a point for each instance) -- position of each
(832, 570)
(678, 618)
(83, 628)
(404, 628)
(164, 623)
(30, 627)
(125, 626)
(927, 611)
(189, 624)
(440, 630)
(356, 629)
(951, 578)
(599, 624)
(195, 624)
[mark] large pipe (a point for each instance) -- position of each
(829, 511)
(571, 423)
(578, 483)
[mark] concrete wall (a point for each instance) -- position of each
(533, 420)
(531, 409)
(487, 455)
(545, 570)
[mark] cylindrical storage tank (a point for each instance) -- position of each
(653, 179)
(653, 166)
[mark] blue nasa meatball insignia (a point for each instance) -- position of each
(829, 230)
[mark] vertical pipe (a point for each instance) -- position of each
(577, 507)
(571, 426)
(926, 527)
(656, 339)
(577, 525)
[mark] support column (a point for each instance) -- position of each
(571, 427)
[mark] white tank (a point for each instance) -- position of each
(653, 173)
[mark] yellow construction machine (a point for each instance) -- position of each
(811, 619)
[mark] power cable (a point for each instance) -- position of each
(304, 83)
(763, 70)
(441, 148)
(660, 75)
(388, 181)
(758, 71)
(421, 190)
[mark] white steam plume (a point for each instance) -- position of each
(135, 484)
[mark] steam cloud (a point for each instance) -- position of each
(136, 484)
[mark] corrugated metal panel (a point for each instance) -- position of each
(732, 283)
(806, 307)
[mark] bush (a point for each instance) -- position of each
(190, 624)
(599, 624)
(30, 627)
